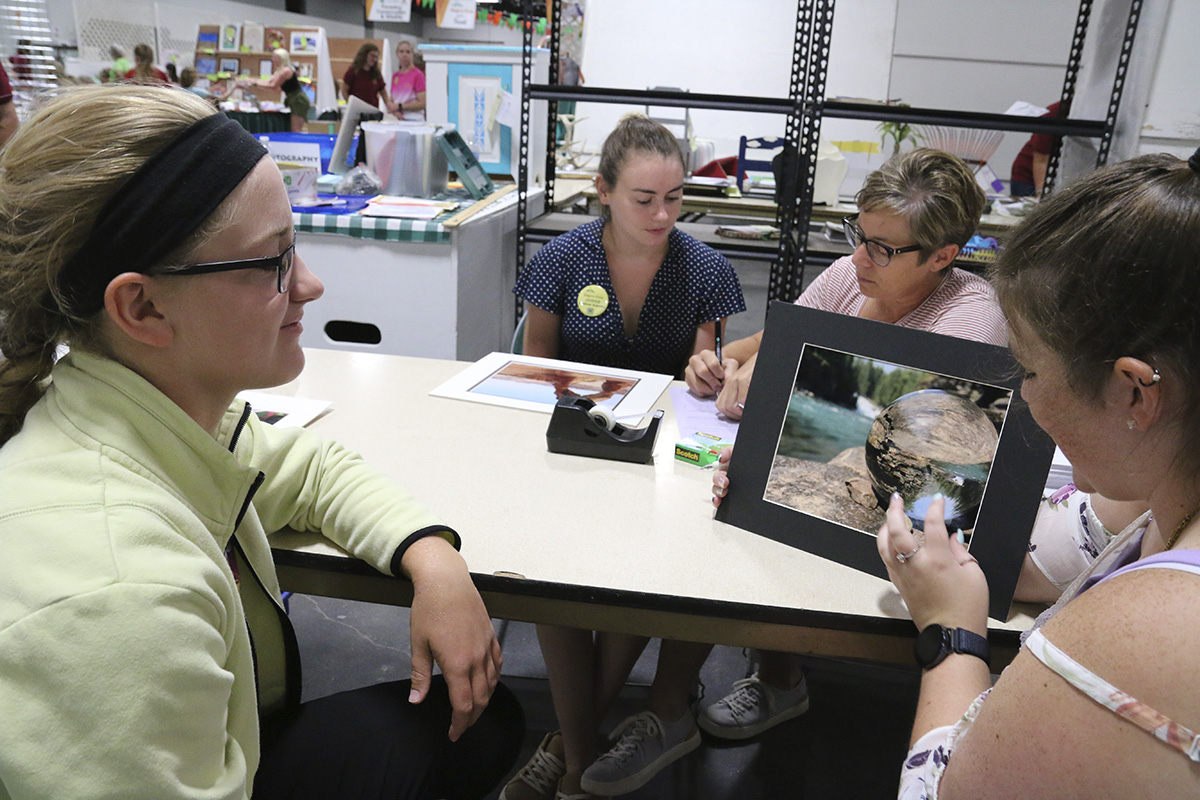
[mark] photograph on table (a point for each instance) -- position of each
(844, 412)
(284, 411)
(537, 384)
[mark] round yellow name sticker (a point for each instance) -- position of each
(592, 300)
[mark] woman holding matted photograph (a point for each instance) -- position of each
(1100, 285)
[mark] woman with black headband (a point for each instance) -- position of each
(143, 648)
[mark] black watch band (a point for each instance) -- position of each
(936, 642)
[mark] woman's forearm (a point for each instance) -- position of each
(947, 691)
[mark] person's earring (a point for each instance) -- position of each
(1153, 380)
(1131, 423)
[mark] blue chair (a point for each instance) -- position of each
(518, 340)
(760, 144)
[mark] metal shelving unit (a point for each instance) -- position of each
(805, 107)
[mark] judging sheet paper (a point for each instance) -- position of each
(699, 415)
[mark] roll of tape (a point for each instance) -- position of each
(603, 417)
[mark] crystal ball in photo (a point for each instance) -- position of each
(927, 442)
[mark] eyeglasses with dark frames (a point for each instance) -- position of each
(879, 253)
(281, 264)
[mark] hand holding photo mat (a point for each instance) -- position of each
(842, 411)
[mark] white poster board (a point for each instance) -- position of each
(456, 14)
(478, 101)
(389, 11)
(536, 384)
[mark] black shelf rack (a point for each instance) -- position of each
(804, 107)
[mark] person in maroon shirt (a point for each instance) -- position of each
(145, 71)
(1029, 167)
(8, 111)
(364, 79)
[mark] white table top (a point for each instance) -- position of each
(598, 543)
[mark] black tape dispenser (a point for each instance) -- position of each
(579, 427)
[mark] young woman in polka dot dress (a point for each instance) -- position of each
(626, 291)
(629, 290)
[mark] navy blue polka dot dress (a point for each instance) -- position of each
(695, 284)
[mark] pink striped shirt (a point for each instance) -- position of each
(964, 305)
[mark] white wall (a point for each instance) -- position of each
(1172, 119)
(982, 55)
(969, 55)
(715, 47)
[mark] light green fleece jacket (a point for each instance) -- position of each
(126, 666)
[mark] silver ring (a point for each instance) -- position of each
(902, 557)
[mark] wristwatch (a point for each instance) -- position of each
(936, 642)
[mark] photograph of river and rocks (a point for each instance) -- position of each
(858, 429)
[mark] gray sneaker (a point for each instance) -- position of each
(644, 745)
(538, 780)
(753, 707)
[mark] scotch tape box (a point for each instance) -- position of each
(701, 449)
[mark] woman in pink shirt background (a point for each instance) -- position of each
(408, 85)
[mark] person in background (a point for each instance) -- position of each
(144, 648)
(22, 63)
(172, 75)
(8, 110)
(363, 78)
(914, 213)
(285, 78)
(145, 71)
(1100, 285)
(631, 291)
(408, 85)
(1030, 165)
(121, 65)
(187, 80)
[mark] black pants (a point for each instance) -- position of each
(372, 743)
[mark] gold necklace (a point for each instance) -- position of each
(1183, 523)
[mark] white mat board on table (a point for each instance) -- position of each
(284, 411)
(536, 384)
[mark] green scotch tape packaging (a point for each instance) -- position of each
(701, 449)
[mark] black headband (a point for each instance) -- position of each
(161, 204)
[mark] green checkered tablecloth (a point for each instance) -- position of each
(381, 228)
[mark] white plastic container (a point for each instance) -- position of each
(831, 170)
(406, 158)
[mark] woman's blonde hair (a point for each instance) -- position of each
(285, 58)
(56, 174)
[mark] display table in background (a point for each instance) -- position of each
(406, 287)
